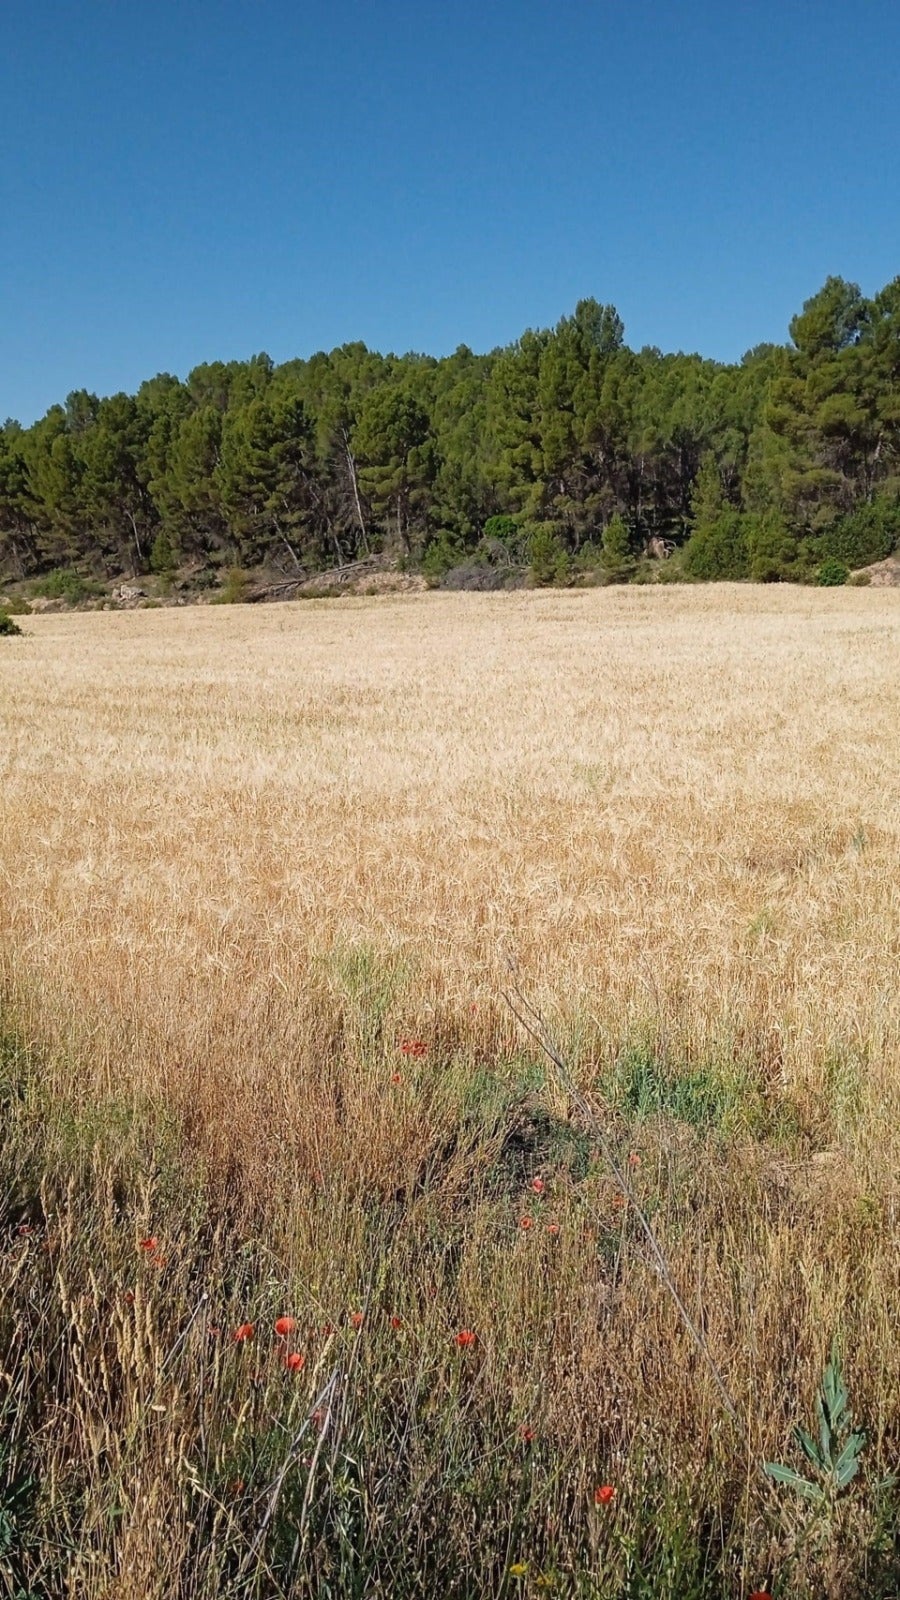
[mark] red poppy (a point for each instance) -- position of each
(553, 1227)
(465, 1338)
(760, 1594)
(396, 1323)
(284, 1326)
(150, 1244)
(158, 1262)
(526, 1223)
(413, 1047)
(537, 1185)
(605, 1495)
(25, 1227)
(356, 1317)
(396, 1077)
(526, 1434)
(245, 1331)
(295, 1362)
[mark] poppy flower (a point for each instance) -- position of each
(605, 1495)
(465, 1338)
(413, 1047)
(356, 1317)
(295, 1362)
(537, 1185)
(284, 1326)
(396, 1323)
(553, 1227)
(760, 1594)
(25, 1228)
(158, 1262)
(525, 1223)
(396, 1077)
(526, 1434)
(150, 1244)
(245, 1331)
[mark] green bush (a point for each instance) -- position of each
(445, 552)
(7, 625)
(163, 554)
(234, 590)
(868, 534)
(718, 549)
(618, 554)
(774, 553)
(506, 529)
(64, 584)
(832, 573)
(548, 561)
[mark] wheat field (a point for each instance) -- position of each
(268, 874)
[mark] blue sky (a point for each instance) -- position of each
(190, 180)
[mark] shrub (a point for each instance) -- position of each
(868, 534)
(233, 590)
(718, 549)
(7, 625)
(445, 552)
(476, 575)
(548, 561)
(506, 529)
(774, 553)
(163, 554)
(64, 584)
(832, 573)
(617, 551)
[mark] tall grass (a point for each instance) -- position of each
(254, 862)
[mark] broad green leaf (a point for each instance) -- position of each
(793, 1480)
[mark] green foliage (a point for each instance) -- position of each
(64, 584)
(719, 549)
(163, 553)
(832, 573)
(315, 463)
(442, 554)
(833, 1454)
(234, 590)
(616, 543)
(7, 625)
(548, 562)
(865, 535)
(504, 529)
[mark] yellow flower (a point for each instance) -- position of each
(545, 1581)
(519, 1569)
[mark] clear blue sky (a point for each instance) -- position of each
(186, 180)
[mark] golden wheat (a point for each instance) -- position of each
(247, 850)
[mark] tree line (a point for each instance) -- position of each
(564, 451)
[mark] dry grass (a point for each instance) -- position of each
(246, 851)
